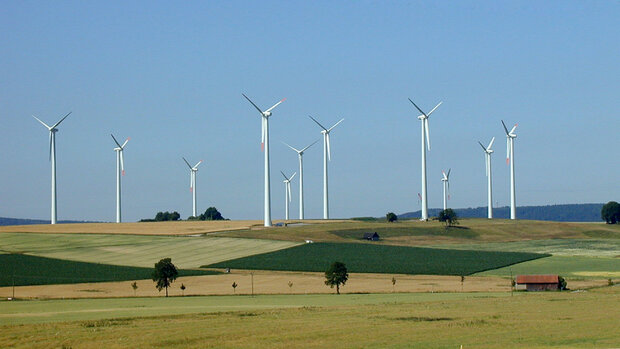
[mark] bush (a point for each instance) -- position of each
(164, 216)
(562, 283)
(448, 216)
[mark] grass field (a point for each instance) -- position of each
(367, 258)
(136, 250)
(574, 267)
(542, 320)
(17, 269)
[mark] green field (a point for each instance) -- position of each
(449, 320)
(33, 270)
(368, 258)
(575, 267)
(136, 250)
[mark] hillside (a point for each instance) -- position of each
(25, 221)
(558, 213)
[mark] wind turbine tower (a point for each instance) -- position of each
(52, 158)
(326, 157)
(445, 178)
(487, 157)
(287, 191)
(120, 170)
(426, 144)
(265, 147)
(300, 154)
(192, 183)
(510, 157)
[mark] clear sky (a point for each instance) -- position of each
(170, 76)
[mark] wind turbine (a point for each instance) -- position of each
(192, 183)
(487, 157)
(265, 147)
(120, 170)
(426, 143)
(52, 158)
(326, 157)
(287, 191)
(300, 154)
(510, 157)
(445, 178)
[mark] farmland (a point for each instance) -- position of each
(439, 320)
(379, 259)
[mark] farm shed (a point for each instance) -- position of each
(373, 236)
(537, 282)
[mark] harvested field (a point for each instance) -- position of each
(266, 282)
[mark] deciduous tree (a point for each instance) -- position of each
(336, 275)
(164, 274)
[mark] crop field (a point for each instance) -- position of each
(439, 320)
(573, 267)
(367, 258)
(416, 233)
(17, 269)
(136, 250)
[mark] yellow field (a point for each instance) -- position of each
(270, 282)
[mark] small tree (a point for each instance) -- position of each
(234, 286)
(391, 217)
(393, 284)
(448, 216)
(562, 283)
(610, 212)
(336, 275)
(164, 274)
(290, 286)
(183, 289)
(462, 281)
(135, 287)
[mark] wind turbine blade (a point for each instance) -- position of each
(255, 106)
(263, 130)
(122, 164)
(336, 124)
(428, 137)
(483, 148)
(329, 152)
(448, 175)
(196, 166)
(507, 150)
(188, 165)
(486, 162)
(505, 128)
(285, 177)
(298, 151)
(44, 124)
(115, 141)
(125, 143)
(50, 156)
(304, 149)
(443, 175)
(288, 189)
(61, 120)
(491, 144)
(448, 191)
(418, 108)
(293, 176)
(321, 126)
(191, 181)
(432, 110)
(513, 129)
(275, 105)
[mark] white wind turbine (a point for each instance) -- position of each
(287, 191)
(52, 158)
(326, 157)
(510, 157)
(300, 154)
(265, 147)
(445, 178)
(192, 183)
(487, 157)
(120, 170)
(426, 143)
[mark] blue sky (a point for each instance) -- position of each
(170, 76)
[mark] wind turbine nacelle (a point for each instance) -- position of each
(421, 117)
(490, 151)
(267, 114)
(512, 135)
